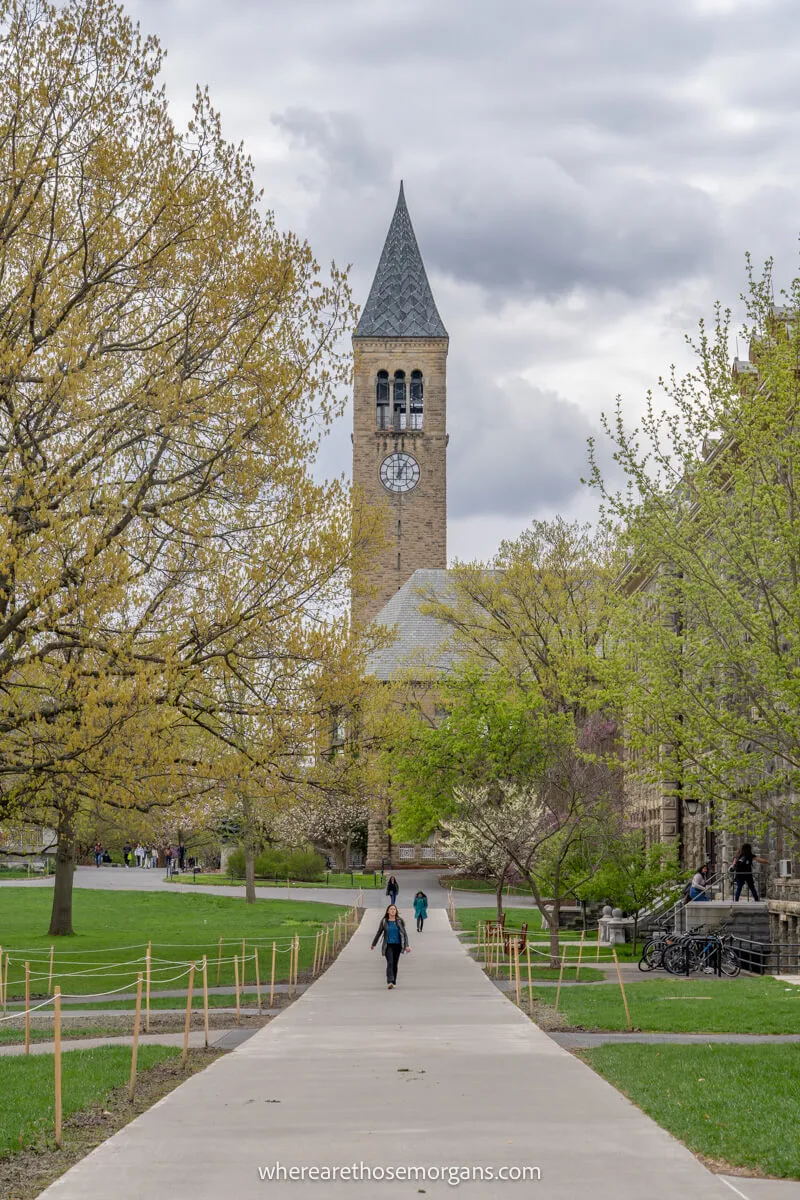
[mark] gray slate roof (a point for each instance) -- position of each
(400, 303)
(421, 639)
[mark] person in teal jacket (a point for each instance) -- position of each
(420, 909)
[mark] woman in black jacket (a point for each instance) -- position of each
(743, 870)
(392, 930)
(392, 888)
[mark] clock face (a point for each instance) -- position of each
(399, 473)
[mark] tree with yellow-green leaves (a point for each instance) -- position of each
(168, 364)
(522, 762)
(710, 615)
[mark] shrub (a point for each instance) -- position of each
(306, 865)
(280, 863)
(236, 864)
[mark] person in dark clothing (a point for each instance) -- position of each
(392, 931)
(392, 888)
(743, 870)
(126, 854)
(420, 909)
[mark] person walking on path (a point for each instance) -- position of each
(743, 870)
(420, 909)
(697, 888)
(392, 930)
(126, 853)
(392, 888)
(98, 854)
(138, 854)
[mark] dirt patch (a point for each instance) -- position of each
(27, 1173)
(100, 1024)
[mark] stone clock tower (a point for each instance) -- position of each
(399, 416)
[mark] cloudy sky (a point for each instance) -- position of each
(584, 177)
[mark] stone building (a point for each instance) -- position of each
(400, 466)
(400, 417)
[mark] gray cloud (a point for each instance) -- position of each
(522, 449)
(584, 180)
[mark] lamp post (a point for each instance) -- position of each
(692, 807)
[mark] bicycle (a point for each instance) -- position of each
(695, 952)
(652, 957)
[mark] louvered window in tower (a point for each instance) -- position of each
(382, 400)
(416, 400)
(399, 405)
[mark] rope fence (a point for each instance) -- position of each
(500, 949)
(327, 940)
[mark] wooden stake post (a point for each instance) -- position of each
(57, 1061)
(205, 997)
(530, 982)
(580, 956)
(188, 1022)
(560, 977)
(622, 988)
(516, 971)
(219, 960)
(147, 967)
(136, 1023)
(258, 984)
(244, 953)
(50, 980)
(27, 1008)
(236, 984)
(272, 978)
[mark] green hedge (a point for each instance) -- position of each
(304, 865)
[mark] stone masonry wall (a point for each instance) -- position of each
(416, 521)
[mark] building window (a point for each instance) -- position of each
(382, 399)
(429, 852)
(416, 400)
(399, 406)
(406, 851)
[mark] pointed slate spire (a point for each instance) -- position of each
(400, 302)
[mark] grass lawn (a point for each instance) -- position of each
(114, 927)
(739, 1105)
(470, 918)
(684, 1006)
(484, 885)
(26, 1085)
(367, 882)
(587, 975)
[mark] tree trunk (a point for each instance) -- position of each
(61, 915)
(249, 873)
(499, 894)
(555, 959)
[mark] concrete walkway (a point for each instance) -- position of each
(137, 879)
(442, 1072)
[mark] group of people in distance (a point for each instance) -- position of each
(392, 933)
(174, 856)
(741, 869)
